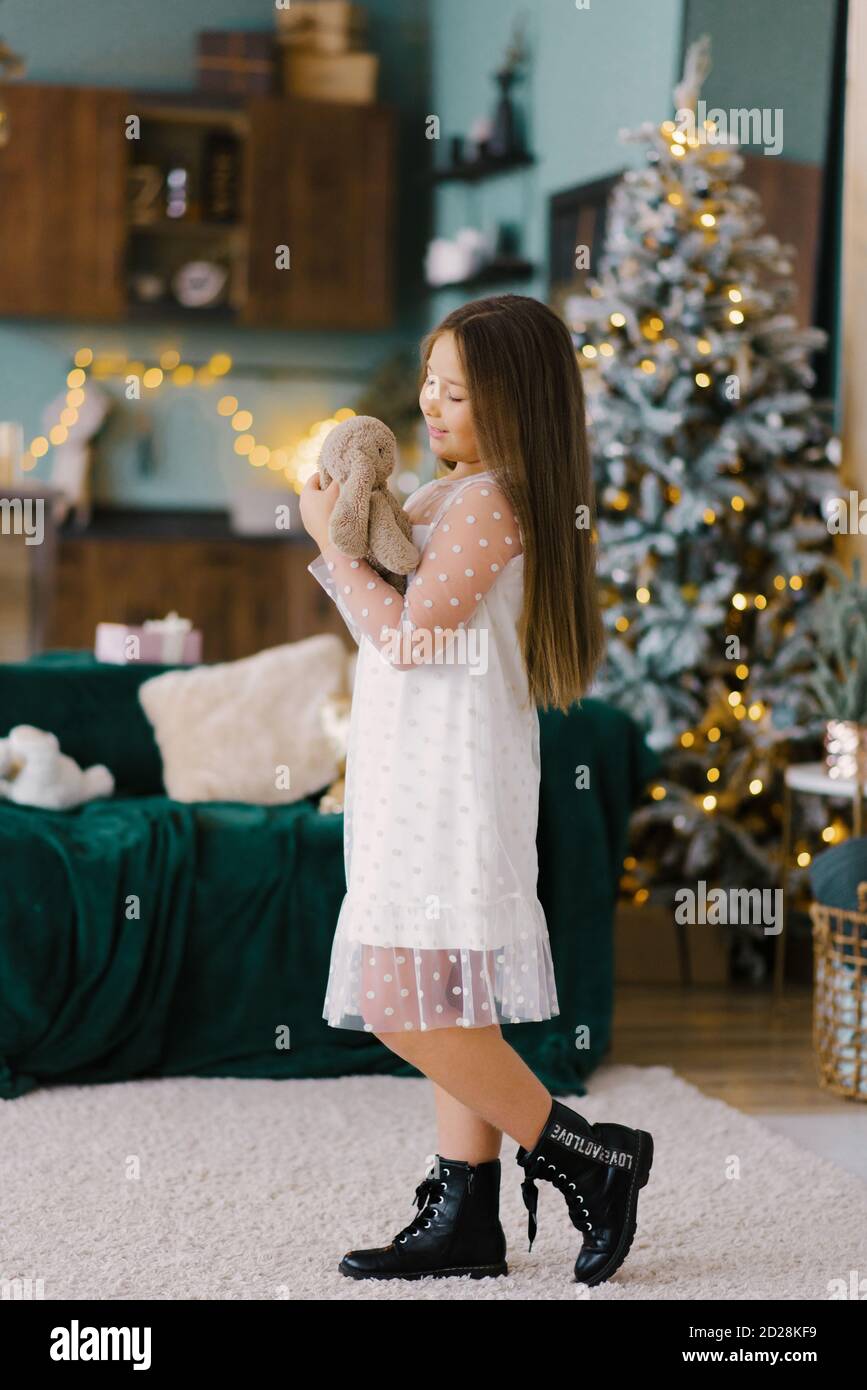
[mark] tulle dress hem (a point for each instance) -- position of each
(396, 984)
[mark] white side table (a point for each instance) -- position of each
(810, 779)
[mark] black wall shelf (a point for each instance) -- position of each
(498, 272)
(480, 169)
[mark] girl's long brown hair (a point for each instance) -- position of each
(527, 403)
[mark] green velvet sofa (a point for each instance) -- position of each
(143, 937)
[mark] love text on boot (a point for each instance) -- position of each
(588, 1148)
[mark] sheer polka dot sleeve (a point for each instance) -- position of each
(368, 605)
(473, 541)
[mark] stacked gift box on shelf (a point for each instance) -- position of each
(322, 26)
(238, 62)
(322, 51)
(318, 53)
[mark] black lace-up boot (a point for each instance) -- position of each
(456, 1229)
(600, 1170)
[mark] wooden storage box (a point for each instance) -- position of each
(322, 26)
(237, 62)
(347, 77)
(646, 948)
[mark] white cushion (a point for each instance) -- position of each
(230, 732)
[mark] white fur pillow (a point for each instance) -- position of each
(230, 732)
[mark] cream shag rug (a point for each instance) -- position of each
(232, 1189)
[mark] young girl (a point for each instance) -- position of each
(441, 937)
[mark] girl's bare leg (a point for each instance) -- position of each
(478, 1068)
(462, 1134)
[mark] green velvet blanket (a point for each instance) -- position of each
(142, 937)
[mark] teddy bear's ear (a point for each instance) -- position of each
(331, 454)
(349, 519)
(322, 468)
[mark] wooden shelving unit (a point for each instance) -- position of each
(505, 268)
(316, 177)
(189, 139)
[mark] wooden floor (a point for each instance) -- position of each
(733, 1043)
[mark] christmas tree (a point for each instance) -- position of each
(714, 473)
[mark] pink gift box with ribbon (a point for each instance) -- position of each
(169, 641)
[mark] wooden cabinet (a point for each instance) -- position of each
(62, 203)
(319, 181)
(314, 177)
(244, 595)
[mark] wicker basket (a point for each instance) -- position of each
(840, 997)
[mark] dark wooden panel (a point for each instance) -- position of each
(310, 608)
(62, 202)
(243, 595)
(319, 179)
(791, 200)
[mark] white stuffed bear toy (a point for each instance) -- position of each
(34, 772)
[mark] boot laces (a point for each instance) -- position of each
(424, 1200)
(561, 1181)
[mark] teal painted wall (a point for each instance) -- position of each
(153, 46)
(594, 71)
(776, 53)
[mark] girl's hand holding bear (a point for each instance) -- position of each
(316, 505)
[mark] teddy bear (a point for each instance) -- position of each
(367, 523)
(34, 772)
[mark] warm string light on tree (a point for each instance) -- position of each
(707, 449)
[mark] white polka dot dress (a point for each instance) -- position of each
(440, 926)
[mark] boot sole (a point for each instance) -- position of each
(474, 1271)
(642, 1175)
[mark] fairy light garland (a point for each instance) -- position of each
(296, 461)
(76, 379)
